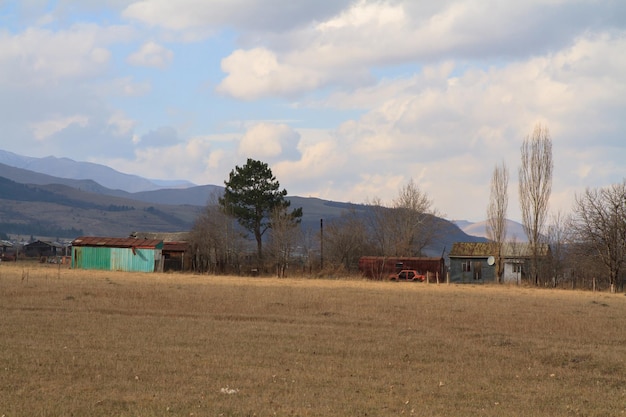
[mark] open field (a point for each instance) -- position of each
(88, 343)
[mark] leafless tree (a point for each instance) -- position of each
(283, 239)
(415, 220)
(405, 228)
(216, 242)
(535, 187)
(345, 240)
(557, 236)
(496, 214)
(599, 223)
(311, 249)
(377, 221)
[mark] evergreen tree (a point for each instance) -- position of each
(252, 195)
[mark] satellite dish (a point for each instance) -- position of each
(491, 260)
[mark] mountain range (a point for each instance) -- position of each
(60, 198)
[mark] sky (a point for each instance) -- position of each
(345, 100)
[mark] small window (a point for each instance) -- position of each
(517, 268)
(466, 266)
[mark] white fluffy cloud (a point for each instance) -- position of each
(367, 35)
(151, 54)
(269, 142)
(37, 56)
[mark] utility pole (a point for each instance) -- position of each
(322, 244)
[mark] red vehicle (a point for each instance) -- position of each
(407, 275)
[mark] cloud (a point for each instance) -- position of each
(125, 86)
(255, 15)
(151, 54)
(160, 137)
(38, 56)
(253, 73)
(269, 142)
(121, 124)
(345, 48)
(200, 159)
(447, 130)
(44, 129)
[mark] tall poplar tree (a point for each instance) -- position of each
(496, 214)
(535, 187)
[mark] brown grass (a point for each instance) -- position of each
(115, 344)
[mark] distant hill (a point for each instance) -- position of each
(40, 203)
(515, 231)
(61, 211)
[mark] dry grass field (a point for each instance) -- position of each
(82, 343)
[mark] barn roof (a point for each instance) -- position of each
(118, 242)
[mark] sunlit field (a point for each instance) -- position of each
(89, 343)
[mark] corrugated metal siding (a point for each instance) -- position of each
(85, 257)
(115, 259)
(123, 259)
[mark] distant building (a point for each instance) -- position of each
(117, 254)
(5, 246)
(40, 248)
(475, 261)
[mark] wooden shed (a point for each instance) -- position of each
(117, 254)
(41, 248)
(380, 267)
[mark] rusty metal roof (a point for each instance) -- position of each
(117, 242)
(164, 236)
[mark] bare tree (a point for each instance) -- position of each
(377, 219)
(405, 228)
(599, 223)
(216, 242)
(496, 214)
(557, 235)
(535, 187)
(415, 220)
(283, 238)
(345, 240)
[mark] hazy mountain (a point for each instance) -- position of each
(70, 169)
(514, 230)
(40, 202)
(62, 211)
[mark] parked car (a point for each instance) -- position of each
(407, 275)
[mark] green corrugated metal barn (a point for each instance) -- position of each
(117, 254)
